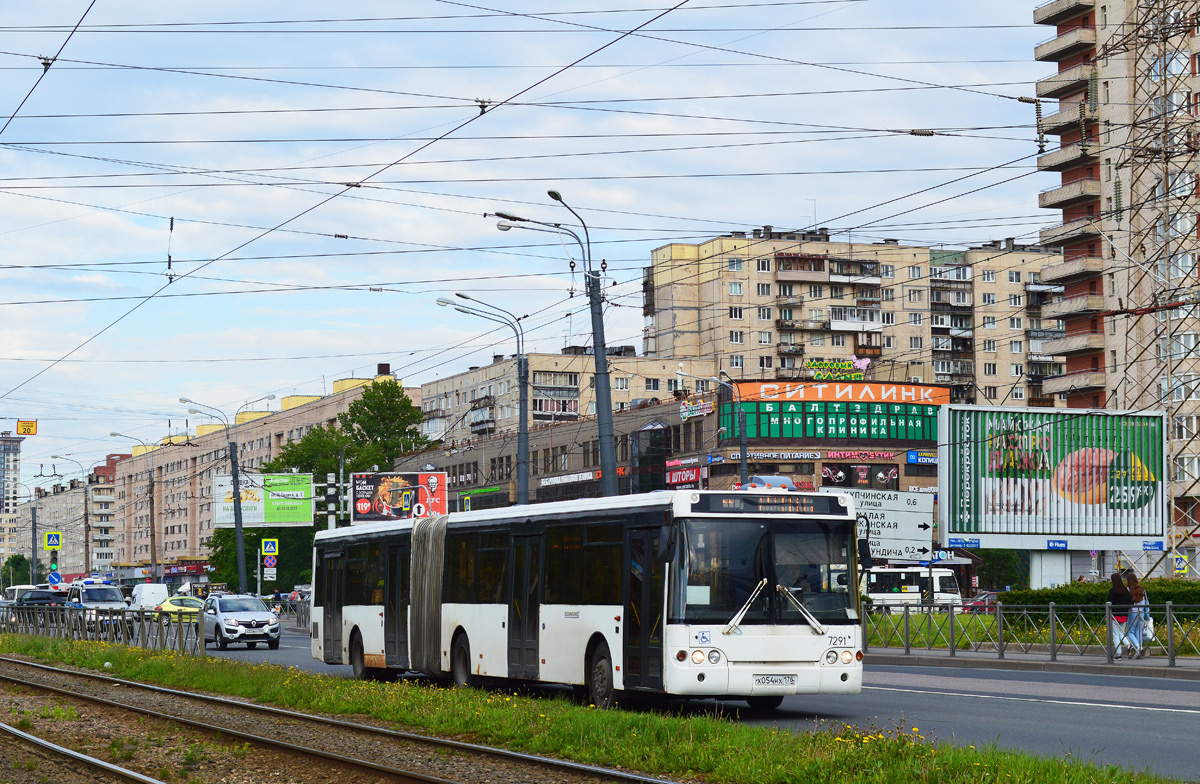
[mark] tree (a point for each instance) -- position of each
(1002, 568)
(15, 571)
(376, 429)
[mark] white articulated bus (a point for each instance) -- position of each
(896, 586)
(688, 593)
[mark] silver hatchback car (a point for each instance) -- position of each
(239, 618)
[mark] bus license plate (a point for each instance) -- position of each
(774, 680)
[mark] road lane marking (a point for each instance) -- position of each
(1072, 703)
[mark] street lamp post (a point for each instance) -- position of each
(238, 534)
(741, 423)
(87, 508)
(501, 316)
(150, 497)
(604, 412)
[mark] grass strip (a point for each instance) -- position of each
(706, 747)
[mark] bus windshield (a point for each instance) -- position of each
(719, 563)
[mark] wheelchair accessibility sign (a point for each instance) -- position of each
(705, 638)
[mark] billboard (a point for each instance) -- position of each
(1064, 479)
(840, 412)
(268, 500)
(392, 496)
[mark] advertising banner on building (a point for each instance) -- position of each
(268, 500)
(390, 496)
(1062, 479)
(839, 412)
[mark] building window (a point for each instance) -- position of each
(1016, 300)
(989, 368)
(735, 265)
(1018, 393)
(916, 319)
(735, 314)
(989, 276)
(888, 295)
(1014, 323)
(652, 385)
(989, 393)
(1016, 370)
(914, 273)
(887, 318)
(816, 339)
(887, 270)
(735, 361)
(1016, 346)
(887, 341)
(737, 336)
(989, 322)
(989, 299)
(735, 289)
(837, 292)
(764, 314)
(815, 292)
(989, 345)
(916, 342)
(764, 265)
(1014, 276)
(916, 295)
(786, 290)
(764, 289)
(837, 340)
(764, 363)
(764, 338)
(621, 384)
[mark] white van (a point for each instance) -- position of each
(147, 596)
(896, 586)
(14, 592)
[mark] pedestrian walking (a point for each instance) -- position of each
(1139, 612)
(1121, 600)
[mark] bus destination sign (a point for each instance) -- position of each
(755, 503)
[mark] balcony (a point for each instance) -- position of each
(789, 300)
(1043, 288)
(802, 276)
(1081, 380)
(1071, 269)
(1044, 334)
(790, 349)
(1071, 42)
(962, 332)
(1058, 11)
(1070, 232)
(1040, 402)
(794, 324)
(862, 279)
(1069, 194)
(948, 284)
(1063, 83)
(873, 352)
(792, 374)
(855, 320)
(1067, 118)
(1074, 306)
(950, 307)
(1068, 157)
(1075, 344)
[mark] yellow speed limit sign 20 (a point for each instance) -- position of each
(27, 427)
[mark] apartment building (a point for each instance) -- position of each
(482, 402)
(61, 508)
(10, 486)
(795, 306)
(163, 493)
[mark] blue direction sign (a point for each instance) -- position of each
(54, 578)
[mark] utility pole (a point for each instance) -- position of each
(87, 527)
(153, 532)
(237, 516)
(33, 528)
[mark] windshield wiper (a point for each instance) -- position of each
(737, 617)
(812, 620)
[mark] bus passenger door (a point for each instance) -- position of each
(643, 659)
(395, 613)
(331, 617)
(524, 596)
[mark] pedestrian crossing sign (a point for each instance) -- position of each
(52, 540)
(270, 546)
(1181, 564)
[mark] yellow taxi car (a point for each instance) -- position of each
(170, 610)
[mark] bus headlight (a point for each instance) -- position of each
(697, 657)
(847, 657)
(831, 657)
(714, 657)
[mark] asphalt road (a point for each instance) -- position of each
(1133, 722)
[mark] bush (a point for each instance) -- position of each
(1160, 591)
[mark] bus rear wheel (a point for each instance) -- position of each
(764, 704)
(600, 678)
(357, 660)
(460, 662)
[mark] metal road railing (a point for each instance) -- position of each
(161, 631)
(1084, 630)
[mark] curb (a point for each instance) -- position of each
(901, 660)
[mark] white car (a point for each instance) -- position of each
(239, 618)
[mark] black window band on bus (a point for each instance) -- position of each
(755, 503)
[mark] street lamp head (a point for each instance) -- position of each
(460, 295)
(271, 396)
(508, 216)
(554, 195)
(188, 400)
(722, 372)
(445, 303)
(504, 225)
(461, 309)
(193, 411)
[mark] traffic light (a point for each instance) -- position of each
(54, 560)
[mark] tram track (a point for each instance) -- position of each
(396, 754)
(31, 754)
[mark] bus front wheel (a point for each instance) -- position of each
(600, 678)
(460, 662)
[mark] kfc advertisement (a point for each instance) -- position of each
(376, 497)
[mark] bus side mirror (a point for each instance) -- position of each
(666, 543)
(864, 554)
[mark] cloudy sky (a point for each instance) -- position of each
(318, 178)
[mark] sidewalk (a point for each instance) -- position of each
(1153, 666)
